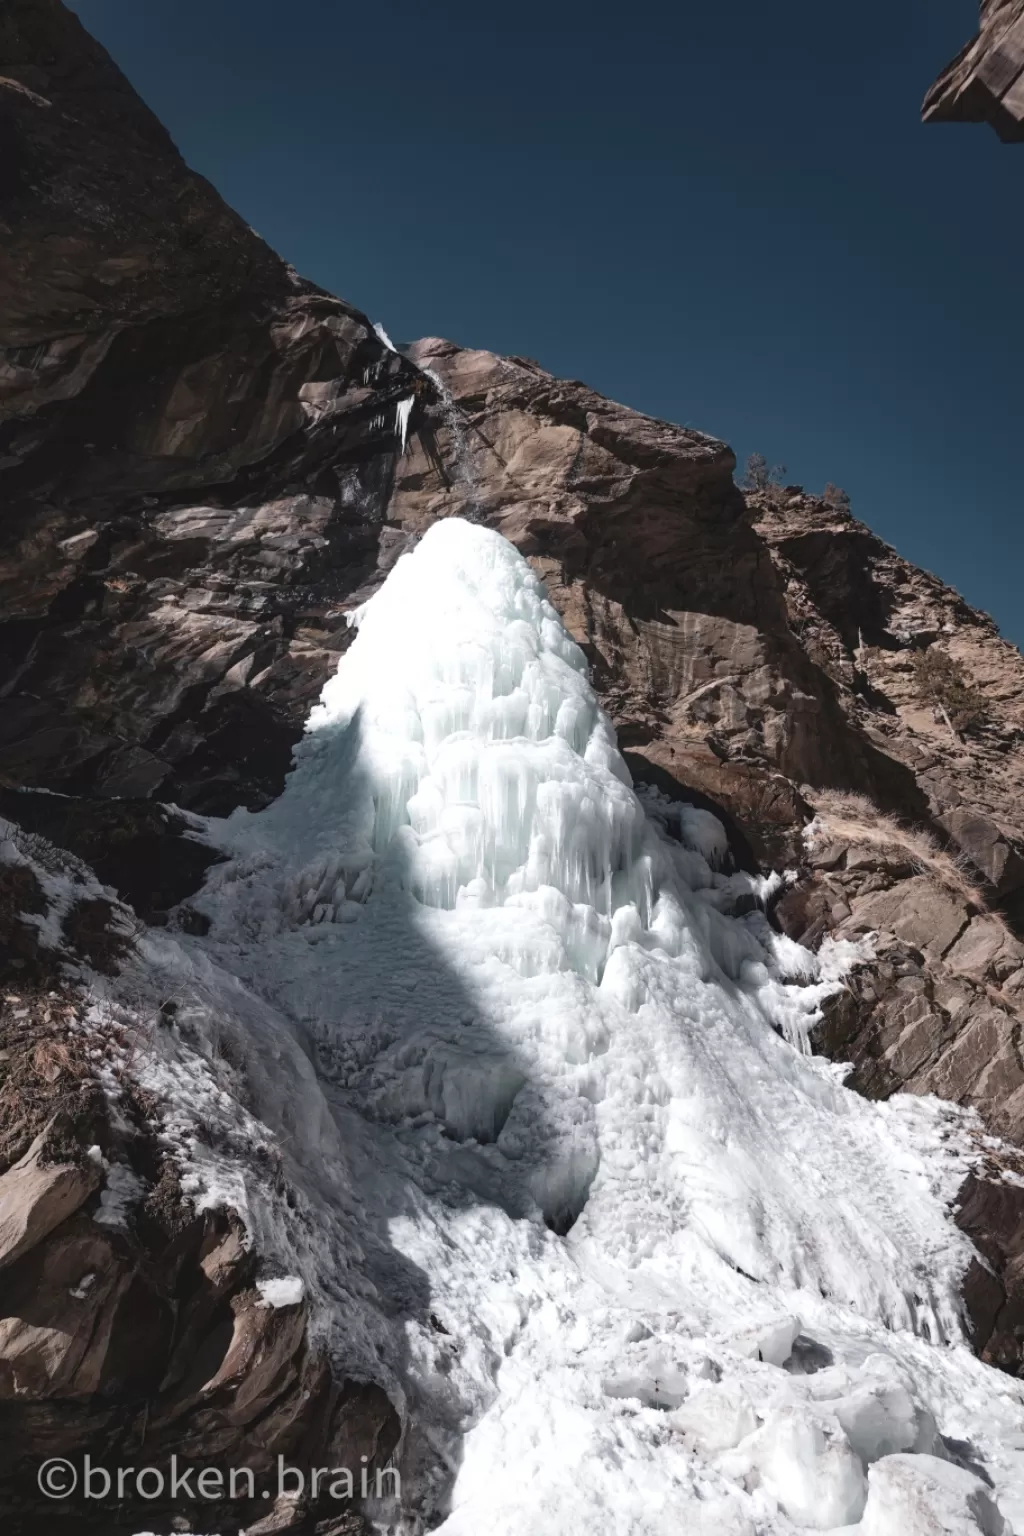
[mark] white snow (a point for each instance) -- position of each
(922, 1496)
(121, 1192)
(288, 1291)
(64, 881)
(564, 1179)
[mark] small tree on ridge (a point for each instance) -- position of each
(759, 477)
(835, 497)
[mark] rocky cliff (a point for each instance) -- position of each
(158, 356)
(203, 470)
(985, 82)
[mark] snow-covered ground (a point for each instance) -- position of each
(563, 1177)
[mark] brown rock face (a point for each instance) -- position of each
(755, 648)
(116, 231)
(195, 448)
(991, 1212)
(35, 1197)
(985, 82)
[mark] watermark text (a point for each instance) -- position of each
(62, 1478)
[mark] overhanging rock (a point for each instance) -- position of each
(985, 82)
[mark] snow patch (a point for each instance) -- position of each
(288, 1291)
(122, 1191)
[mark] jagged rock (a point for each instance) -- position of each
(195, 448)
(77, 1322)
(124, 1316)
(146, 851)
(264, 1343)
(863, 611)
(982, 1065)
(985, 82)
(111, 1336)
(990, 1209)
(917, 910)
(987, 847)
(36, 1196)
(986, 950)
(804, 913)
(908, 1021)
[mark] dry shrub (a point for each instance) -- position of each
(942, 682)
(853, 819)
(835, 497)
(759, 475)
(46, 1077)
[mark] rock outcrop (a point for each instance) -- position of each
(131, 1325)
(985, 82)
(195, 448)
(202, 472)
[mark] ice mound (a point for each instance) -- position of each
(562, 1176)
(493, 772)
(460, 752)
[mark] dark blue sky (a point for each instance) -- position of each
(726, 215)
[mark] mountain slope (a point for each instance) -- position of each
(158, 356)
(207, 466)
(504, 1074)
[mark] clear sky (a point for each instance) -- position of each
(727, 215)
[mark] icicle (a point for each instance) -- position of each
(402, 415)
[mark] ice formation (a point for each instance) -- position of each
(565, 1180)
(403, 411)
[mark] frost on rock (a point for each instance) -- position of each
(562, 1176)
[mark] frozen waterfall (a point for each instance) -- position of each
(565, 1180)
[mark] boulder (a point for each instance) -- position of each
(987, 847)
(982, 1065)
(986, 950)
(36, 1197)
(919, 911)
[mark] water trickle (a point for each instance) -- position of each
(451, 415)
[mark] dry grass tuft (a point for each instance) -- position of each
(853, 819)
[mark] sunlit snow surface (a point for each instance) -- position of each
(566, 1182)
